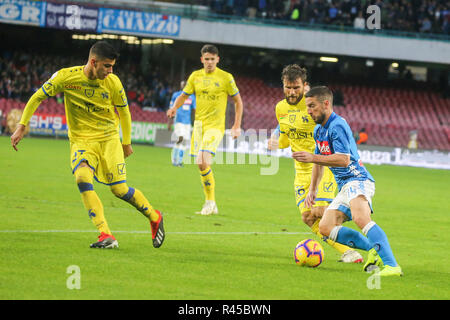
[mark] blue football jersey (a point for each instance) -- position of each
(184, 112)
(336, 137)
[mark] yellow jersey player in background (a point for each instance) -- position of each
(296, 129)
(92, 93)
(211, 87)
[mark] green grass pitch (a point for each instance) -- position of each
(245, 252)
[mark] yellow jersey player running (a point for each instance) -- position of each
(92, 93)
(296, 129)
(211, 87)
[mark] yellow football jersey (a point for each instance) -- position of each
(89, 104)
(296, 130)
(211, 92)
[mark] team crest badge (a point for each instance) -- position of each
(292, 118)
(89, 93)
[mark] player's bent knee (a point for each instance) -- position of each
(122, 191)
(83, 178)
(308, 218)
(325, 228)
(83, 174)
(361, 221)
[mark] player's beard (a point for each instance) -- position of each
(299, 98)
(319, 119)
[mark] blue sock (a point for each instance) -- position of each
(380, 243)
(180, 154)
(175, 154)
(351, 238)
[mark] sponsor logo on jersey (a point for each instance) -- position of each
(324, 147)
(72, 87)
(298, 134)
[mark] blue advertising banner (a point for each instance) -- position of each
(22, 12)
(71, 17)
(48, 125)
(137, 22)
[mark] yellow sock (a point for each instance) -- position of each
(91, 201)
(208, 183)
(144, 206)
(136, 198)
(339, 247)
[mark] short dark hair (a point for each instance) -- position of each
(292, 72)
(104, 50)
(209, 48)
(322, 93)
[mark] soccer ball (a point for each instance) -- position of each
(309, 253)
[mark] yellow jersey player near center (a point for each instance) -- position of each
(211, 87)
(92, 93)
(296, 129)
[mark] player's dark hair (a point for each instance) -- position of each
(209, 48)
(104, 50)
(292, 72)
(322, 93)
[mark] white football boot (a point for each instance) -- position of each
(209, 208)
(351, 256)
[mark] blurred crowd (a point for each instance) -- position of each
(22, 73)
(425, 16)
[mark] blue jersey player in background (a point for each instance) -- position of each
(336, 149)
(182, 126)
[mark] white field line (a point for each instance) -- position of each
(146, 232)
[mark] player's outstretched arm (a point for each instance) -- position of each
(125, 123)
(316, 176)
(127, 150)
(277, 140)
(178, 103)
(239, 110)
(31, 106)
(17, 135)
(332, 160)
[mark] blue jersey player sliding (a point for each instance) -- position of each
(336, 149)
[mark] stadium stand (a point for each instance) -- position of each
(388, 114)
(412, 16)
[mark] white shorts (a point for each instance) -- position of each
(349, 192)
(182, 130)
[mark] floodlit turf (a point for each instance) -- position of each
(245, 252)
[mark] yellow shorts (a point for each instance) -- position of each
(104, 157)
(325, 193)
(205, 138)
